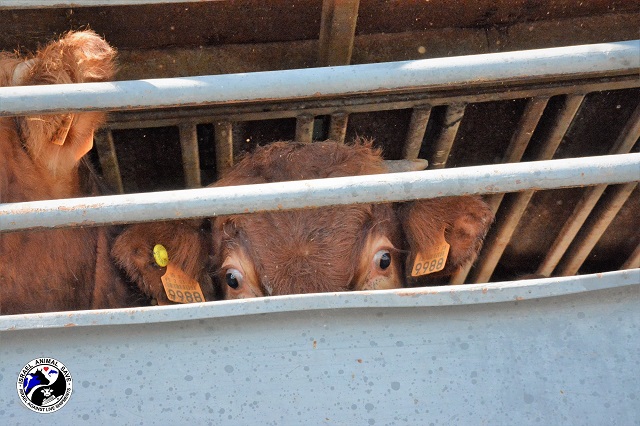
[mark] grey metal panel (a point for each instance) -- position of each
(552, 351)
(388, 187)
(527, 66)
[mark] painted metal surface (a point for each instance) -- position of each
(390, 187)
(527, 66)
(552, 351)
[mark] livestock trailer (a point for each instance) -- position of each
(547, 132)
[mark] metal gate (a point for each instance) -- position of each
(544, 350)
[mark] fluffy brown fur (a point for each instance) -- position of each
(317, 250)
(187, 245)
(465, 221)
(301, 251)
(58, 269)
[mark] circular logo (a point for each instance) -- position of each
(44, 385)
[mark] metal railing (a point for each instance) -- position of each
(536, 75)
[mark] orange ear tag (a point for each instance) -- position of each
(180, 287)
(431, 261)
(61, 134)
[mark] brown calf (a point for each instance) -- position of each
(41, 157)
(355, 247)
(358, 247)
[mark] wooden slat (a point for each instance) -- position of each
(337, 31)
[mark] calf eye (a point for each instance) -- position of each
(234, 278)
(382, 259)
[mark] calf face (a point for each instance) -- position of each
(357, 247)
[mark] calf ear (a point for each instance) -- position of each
(187, 244)
(461, 222)
(59, 141)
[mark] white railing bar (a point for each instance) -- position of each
(392, 187)
(422, 297)
(526, 66)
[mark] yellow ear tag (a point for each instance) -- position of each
(432, 261)
(181, 288)
(160, 255)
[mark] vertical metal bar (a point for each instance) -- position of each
(627, 138)
(304, 128)
(224, 147)
(338, 126)
(518, 144)
(453, 117)
(602, 219)
(633, 261)
(190, 154)
(337, 31)
(521, 138)
(108, 160)
(501, 235)
(417, 127)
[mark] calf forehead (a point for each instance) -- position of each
(285, 161)
(304, 251)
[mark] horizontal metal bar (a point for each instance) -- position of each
(472, 294)
(527, 66)
(207, 202)
(359, 104)
(55, 4)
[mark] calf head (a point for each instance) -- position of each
(58, 142)
(187, 246)
(356, 247)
